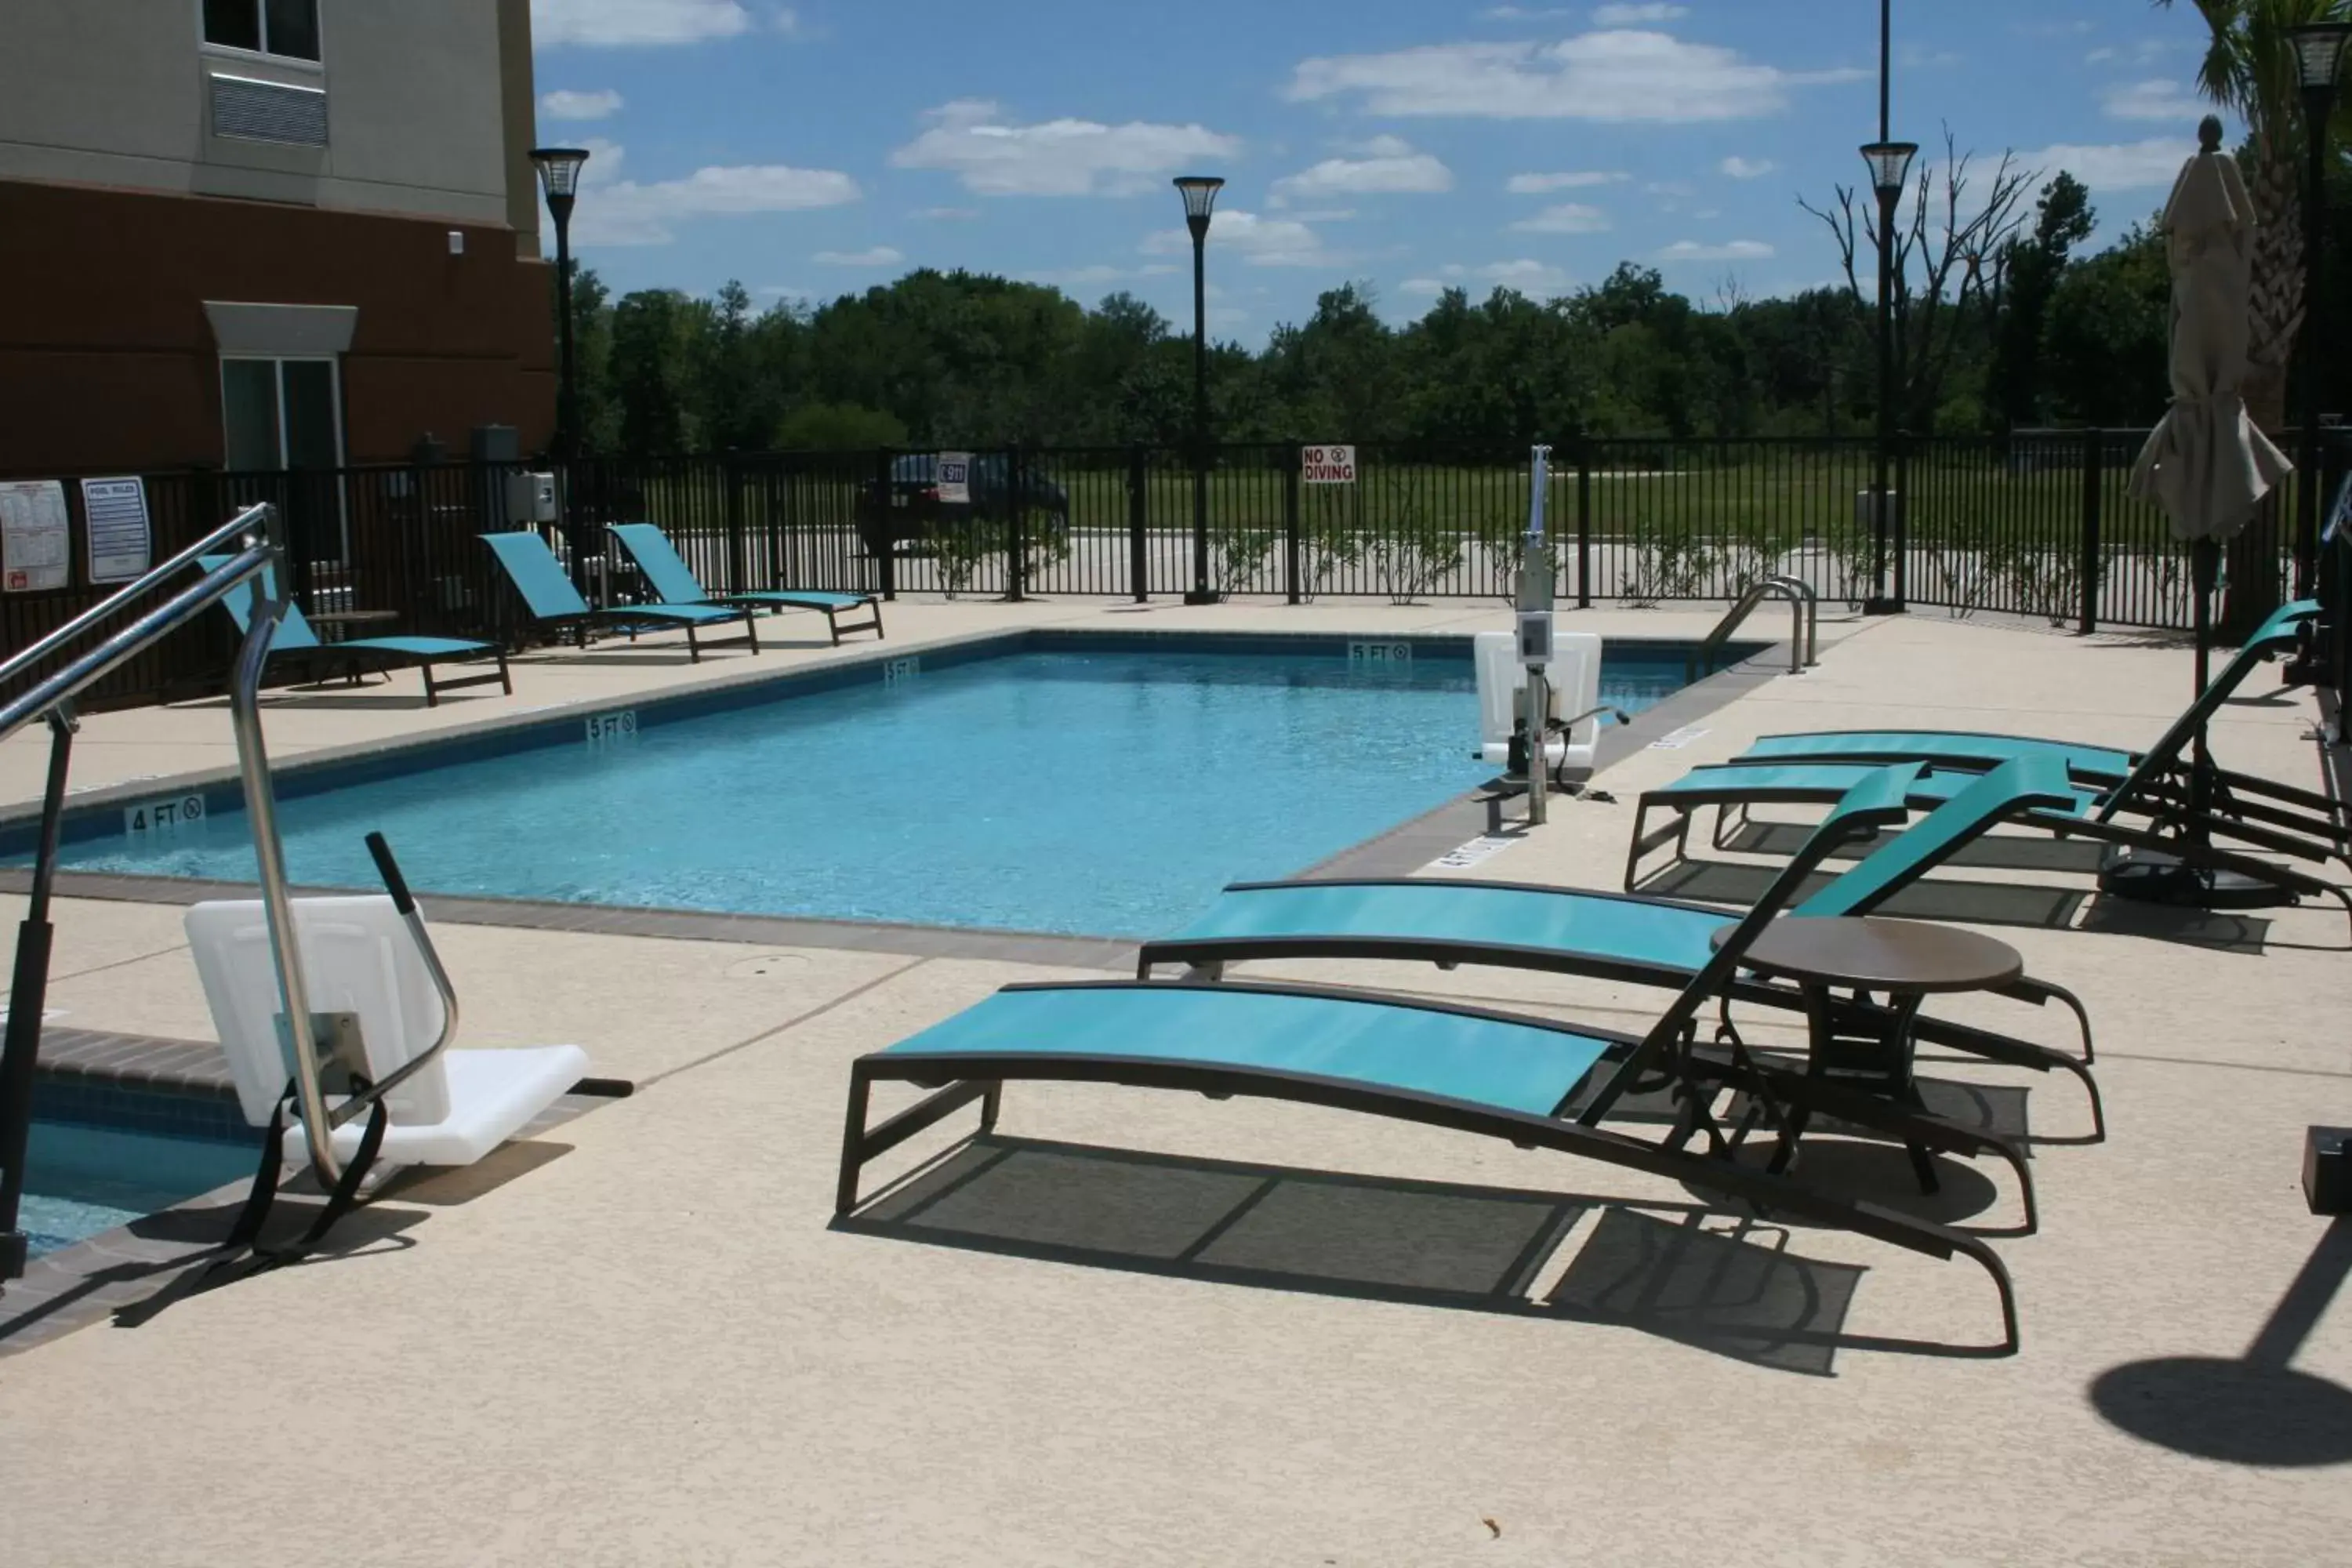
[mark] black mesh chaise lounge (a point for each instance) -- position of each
(1532, 1082)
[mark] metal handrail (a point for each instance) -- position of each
(1796, 592)
(240, 528)
(1813, 616)
(52, 698)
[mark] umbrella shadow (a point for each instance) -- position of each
(2254, 1410)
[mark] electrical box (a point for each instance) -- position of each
(2328, 1170)
(1535, 637)
(1863, 510)
(531, 498)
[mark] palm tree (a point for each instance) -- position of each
(2249, 69)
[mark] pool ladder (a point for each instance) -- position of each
(257, 563)
(1805, 629)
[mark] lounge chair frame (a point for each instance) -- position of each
(629, 620)
(828, 605)
(1668, 1054)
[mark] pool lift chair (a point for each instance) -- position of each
(393, 1073)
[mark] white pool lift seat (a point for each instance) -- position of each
(1574, 676)
(359, 958)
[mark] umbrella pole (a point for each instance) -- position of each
(2205, 565)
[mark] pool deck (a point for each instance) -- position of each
(1153, 1328)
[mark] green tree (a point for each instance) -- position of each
(2063, 218)
(652, 349)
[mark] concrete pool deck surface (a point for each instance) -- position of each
(1148, 1327)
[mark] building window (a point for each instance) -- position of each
(286, 27)
(281, 414)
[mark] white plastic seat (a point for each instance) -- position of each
(1574, 676)
(358, 957)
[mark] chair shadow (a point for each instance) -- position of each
(2255, 1410)
(1428, 1243)
(171, 1252)
(1994, 851)
(1941, 899)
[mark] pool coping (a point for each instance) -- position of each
(1409, 846)
(120, 1269)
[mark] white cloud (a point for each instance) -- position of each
(2156, 99)
(1609, 77)
(1740, 168)
(615, 211)
(567, 105)
(1099, 273)
(948, 214)
(636, 21)
(875, 256)
(1635, 15)
(1735, 250)
(969, 139)
(1392, 168)
(1569, 217)
(1542, 184)
(1529, 277)
(2125, 166)
(1260, 241)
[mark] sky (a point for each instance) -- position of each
(819, 148)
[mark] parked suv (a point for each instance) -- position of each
(912, 512)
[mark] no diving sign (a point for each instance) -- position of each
(1328, 465)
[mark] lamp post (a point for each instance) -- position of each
(1890, 166)
(2318, 55)
(559, 177)
(1200, 193)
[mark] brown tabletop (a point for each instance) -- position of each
(1910, 957)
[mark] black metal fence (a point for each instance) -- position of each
(2037, 525)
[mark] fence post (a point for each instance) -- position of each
(1290, 562)
(739, 558)
(1583, 524)
(1016, 537)
(881, 539)
(1138, 519)
(1900, 528)
(2093, 487)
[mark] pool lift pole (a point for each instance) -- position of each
(1536, 589)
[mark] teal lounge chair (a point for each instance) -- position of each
(1624, 937)
(295, 643)
(1533, 1082)
(2155, 808)
(674, 583)
(539, 581)
(2231, 795)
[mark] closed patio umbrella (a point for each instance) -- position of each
(2206, 464)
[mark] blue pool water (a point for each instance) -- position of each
(81, 1180)
(1109, 793)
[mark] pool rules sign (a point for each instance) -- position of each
(1328, 465)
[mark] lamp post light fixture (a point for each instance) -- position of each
(559, 177)
(1200, 193)
(1890, 168)
(2318, 49)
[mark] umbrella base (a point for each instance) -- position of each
(2152, 877)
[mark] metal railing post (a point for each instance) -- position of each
(2094, 496)
(883, 541)
(1138, 523)
(1583, 525)
(1017, 530)
(1295, 588)
(739, 556)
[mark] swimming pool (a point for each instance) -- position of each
(1104, 790)
(82, 1179)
